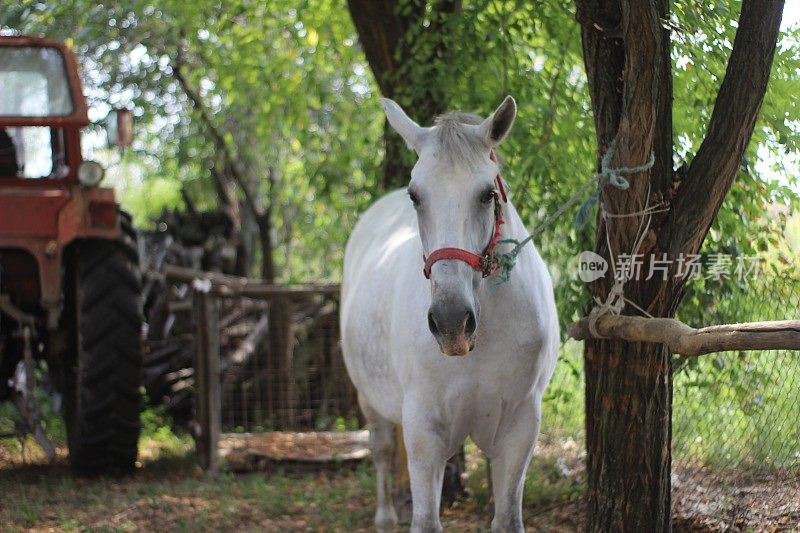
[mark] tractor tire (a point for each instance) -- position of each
(103, 397)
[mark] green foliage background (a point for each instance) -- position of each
(290, 89)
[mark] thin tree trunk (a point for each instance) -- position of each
(233, 168)
(389, 32)
(264, 223)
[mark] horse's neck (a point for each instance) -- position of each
(513, 227)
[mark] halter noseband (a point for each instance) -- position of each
(485, 263)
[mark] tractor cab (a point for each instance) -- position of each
(41, 110)
(48, 193)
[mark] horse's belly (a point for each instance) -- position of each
(381, 271)
(366, 347)
(370, 367)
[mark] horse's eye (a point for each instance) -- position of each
(488, 196)
(414, 199)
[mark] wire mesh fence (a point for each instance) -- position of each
(296, 379)
(735, 419)
(280, 366)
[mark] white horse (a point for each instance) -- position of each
(399, 329)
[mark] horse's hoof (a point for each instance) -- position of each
(385, 520)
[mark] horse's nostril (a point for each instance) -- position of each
(471, 324)
(432, 324)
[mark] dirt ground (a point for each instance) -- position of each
(703, 499)
(707, 500)
(170, 493)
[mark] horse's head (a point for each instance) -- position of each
(455, 193)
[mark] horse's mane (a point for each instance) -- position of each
(455, 141)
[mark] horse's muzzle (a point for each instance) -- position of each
(453, 329)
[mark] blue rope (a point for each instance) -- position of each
(609, 176)
(606, 176)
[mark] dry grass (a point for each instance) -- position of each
(709, 500)
(170, 493)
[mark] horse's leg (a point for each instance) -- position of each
(508, 466)
(382, 444)
(427, 455)
(401, 491)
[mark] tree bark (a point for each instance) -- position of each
(629, 384)
(626, 54)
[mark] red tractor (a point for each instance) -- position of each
(70, 285)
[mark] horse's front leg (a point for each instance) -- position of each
(509, 464)
(427, 455)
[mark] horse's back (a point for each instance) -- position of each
(387, 225)
(376, 263)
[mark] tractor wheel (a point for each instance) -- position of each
(102, 397)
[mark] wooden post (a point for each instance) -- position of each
(207, 377)
(290, 398)
(276, 364)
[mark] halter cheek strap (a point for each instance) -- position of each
(485, 263)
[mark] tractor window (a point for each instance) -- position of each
(31, 152)
(34, 83)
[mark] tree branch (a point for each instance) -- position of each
(216, 136)
(685, 340)
(717, 162)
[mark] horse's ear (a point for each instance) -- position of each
(495, 128)
(410, 131)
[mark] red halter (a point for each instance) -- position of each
(485, 263)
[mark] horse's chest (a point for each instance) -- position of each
(470, 409)
(479, 401)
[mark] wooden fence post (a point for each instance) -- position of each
(206, 375)
(288, 376)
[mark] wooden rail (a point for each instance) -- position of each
(686, 340)
(223, 285)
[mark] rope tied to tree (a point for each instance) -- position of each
(607, 176)
(615, 299)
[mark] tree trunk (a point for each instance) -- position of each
(391, 32)
(234, 169)
(628, 405)
(629, 385)
(264, 223)
(628, 414)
